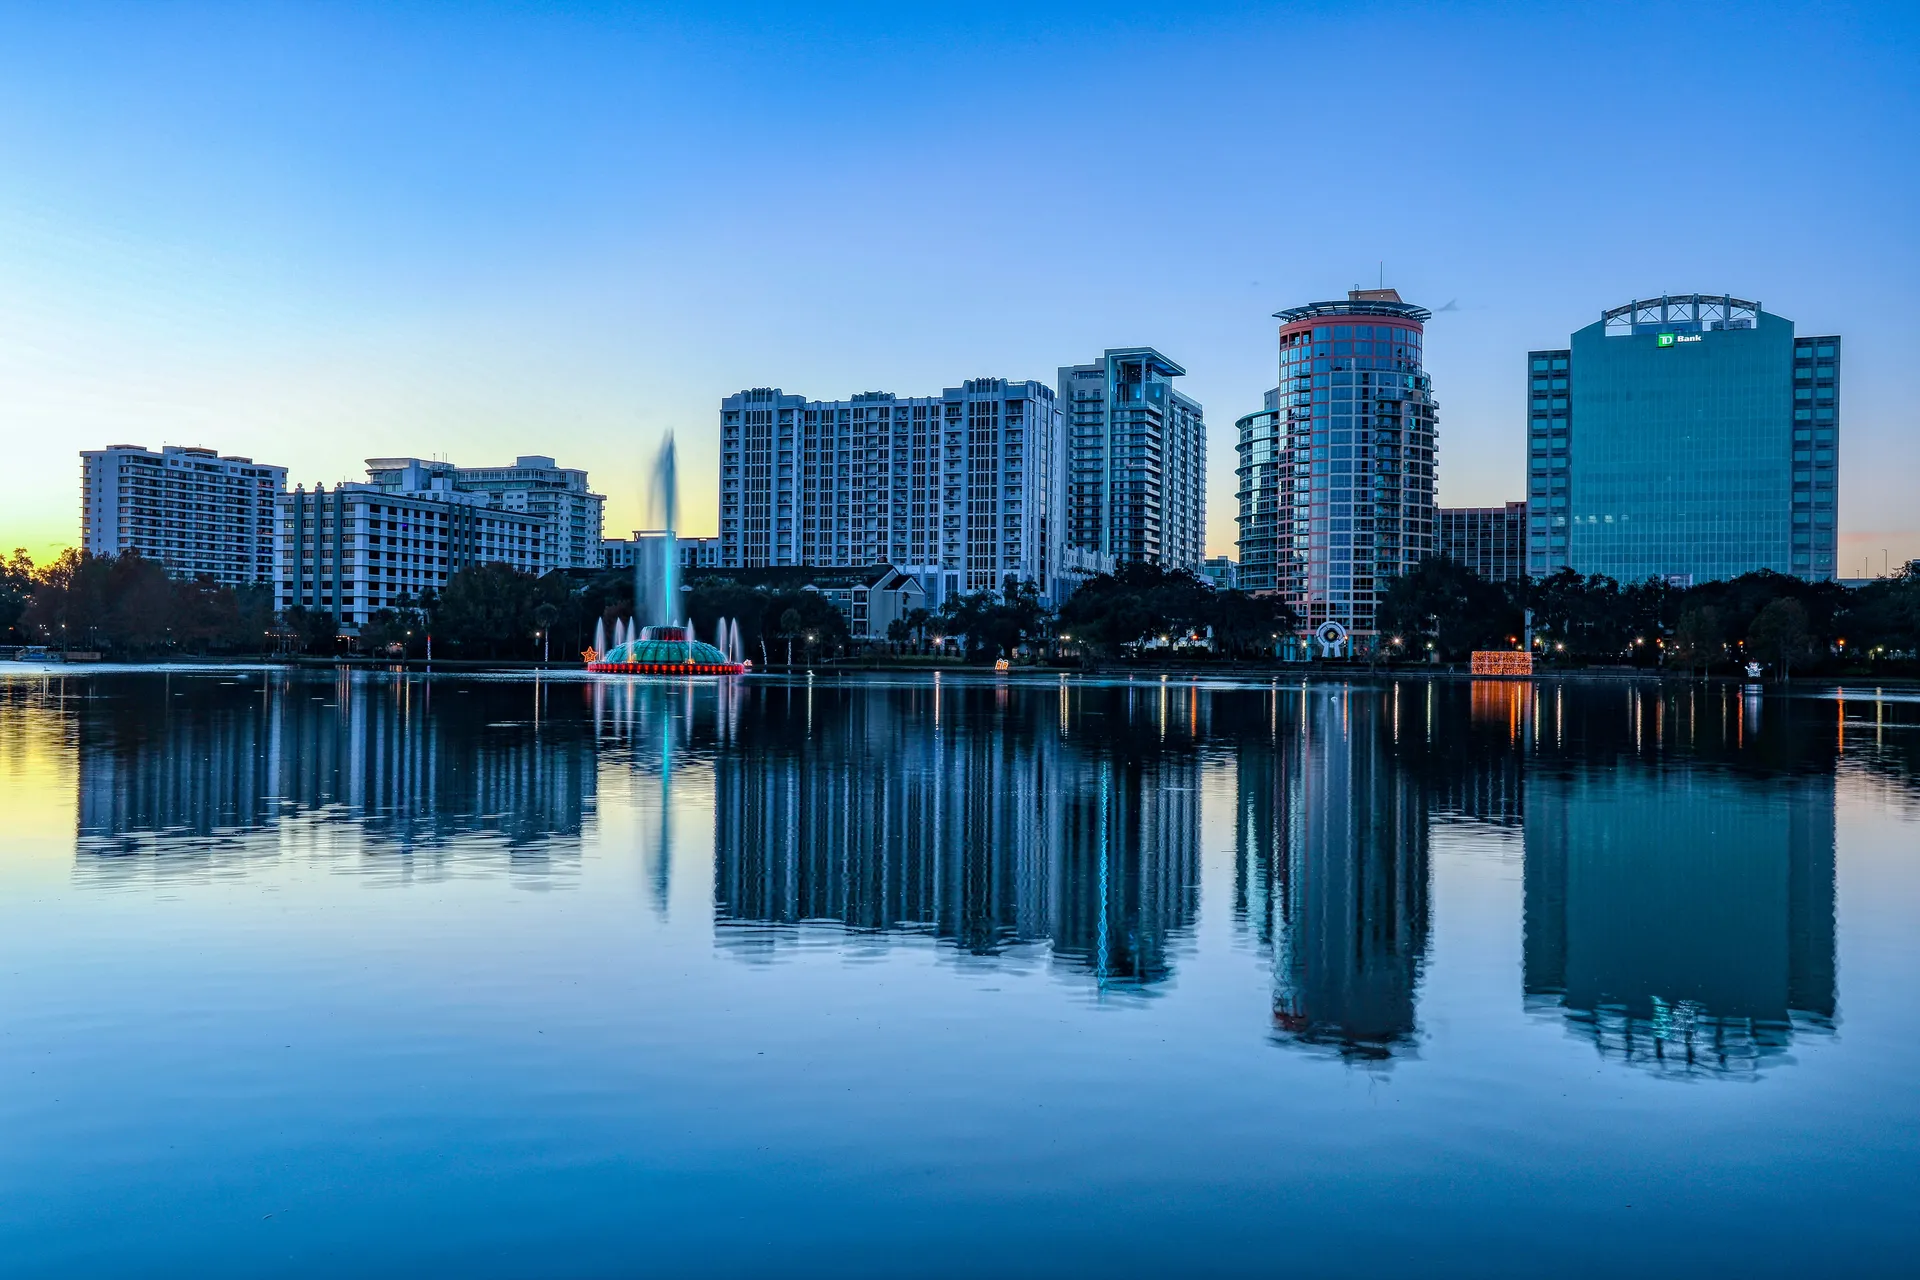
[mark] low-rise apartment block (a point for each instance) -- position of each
(360, 548)
(574, 515)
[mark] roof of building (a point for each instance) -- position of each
(1359, 302)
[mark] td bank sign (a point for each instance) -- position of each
(1669, 339)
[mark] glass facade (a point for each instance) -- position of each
(1491, 541)
(1357, 463)
(1260, 439)
(1687, 438)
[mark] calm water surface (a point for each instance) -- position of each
(389, 975)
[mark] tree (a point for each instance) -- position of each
(1451, 605)
(818, 617)
(1245, 624)
(124, 602)
(16, 588)
(1780, 632)
(995, 625)
(1592, 617)
(315, 630)
(1697, 639)
(487, 610)
(1884, 615)
(1111, 611)
(919, 624)
(403, 626)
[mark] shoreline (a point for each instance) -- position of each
(1238, 672)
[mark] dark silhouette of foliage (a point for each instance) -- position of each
(496, 611)
(1142, 602)
(16, 588)
(128, 606)
(1884, 616)
(1443, 601)
(1779, 634)
(1698, 641)
(995, 624)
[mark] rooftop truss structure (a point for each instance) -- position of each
(1707, 310)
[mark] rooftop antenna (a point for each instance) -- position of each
(1383, 273)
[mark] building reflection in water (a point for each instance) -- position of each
(1678, 844)
(1680, 877)
(1332, 868)
(1022, 823)
(199, 763)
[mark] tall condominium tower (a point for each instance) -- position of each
(533, 485)
(962, 489)
(1137, 461)
(1687, 437)
(1261, 435)
(1356, 495)
(198, 513)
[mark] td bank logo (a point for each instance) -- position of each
(1665, 339)
(1668, 339)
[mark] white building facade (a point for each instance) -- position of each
(360, 548)
(1136, 481)
(197, 512)
(533, 485)
(963, 490)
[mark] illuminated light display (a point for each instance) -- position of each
(1502, 662)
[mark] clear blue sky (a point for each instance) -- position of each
(316, 233)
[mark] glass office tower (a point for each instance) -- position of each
(1690, 438)
(1356, 504)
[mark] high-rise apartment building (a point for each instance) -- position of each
(365, 547)
(1261, 438)
(962, 489)
(1687, 437)
(1136, 460)
(533, 485)
(1491, 541)
(1355, 504)
(197, 512)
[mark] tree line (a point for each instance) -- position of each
(1780, 621)
(128, 606)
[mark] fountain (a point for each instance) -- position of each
(656, 641)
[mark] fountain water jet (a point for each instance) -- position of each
(656, 640)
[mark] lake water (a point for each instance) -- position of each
(388, 975)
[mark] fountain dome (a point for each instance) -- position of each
(666, 651)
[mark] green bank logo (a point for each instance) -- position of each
(1668, 339)
(1665, 339)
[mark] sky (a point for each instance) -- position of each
(318, 233)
